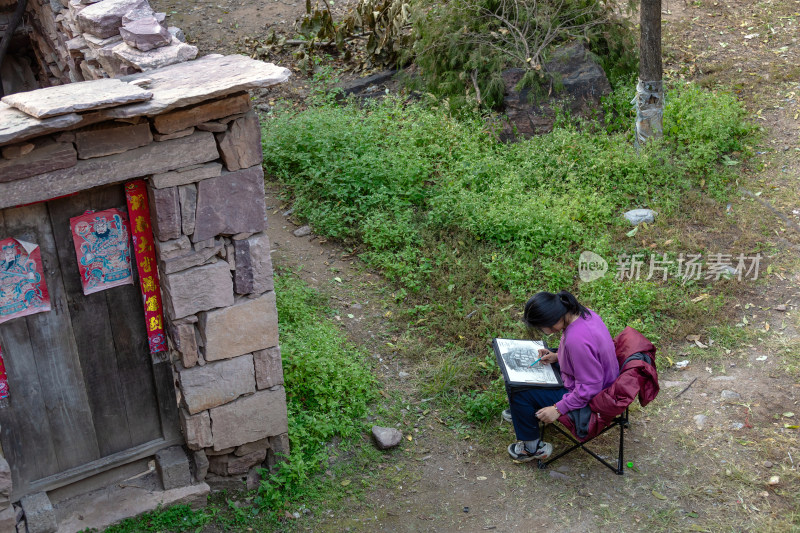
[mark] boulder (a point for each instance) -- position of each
(582, 83)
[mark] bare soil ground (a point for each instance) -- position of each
(734, 470)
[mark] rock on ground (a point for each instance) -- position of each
(386, 438)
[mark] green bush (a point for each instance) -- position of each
(464, 43)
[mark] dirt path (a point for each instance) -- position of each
(702, 456)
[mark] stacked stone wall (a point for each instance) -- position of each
(78, 40)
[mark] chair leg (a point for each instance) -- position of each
(618, 469)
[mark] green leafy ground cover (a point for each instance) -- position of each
(467, 226)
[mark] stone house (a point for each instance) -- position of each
(94, 395)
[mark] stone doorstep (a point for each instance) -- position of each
(101, 508)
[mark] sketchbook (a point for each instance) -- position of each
(514, 357)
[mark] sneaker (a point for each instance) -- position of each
(507, 415)
(518, 452)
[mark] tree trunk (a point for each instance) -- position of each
(650, 90)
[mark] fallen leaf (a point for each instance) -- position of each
(659, 495)
(350, 316)
(409, 437)
(788, 414)
(700, 344)
(345, 482)
(481, 478)
(787, 426)
(766, 326)
(752, 36)
(700, 298)
(692, 338)
(761, 358)
(504, 473)
(337, 279)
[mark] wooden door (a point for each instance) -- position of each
(85, 395)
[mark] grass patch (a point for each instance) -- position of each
(468, 228)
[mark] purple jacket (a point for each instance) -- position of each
(588, 361)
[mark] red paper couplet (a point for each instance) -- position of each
(3, 378)
(136, 194)
(23, 290)
(101, 244)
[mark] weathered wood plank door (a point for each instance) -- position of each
(85, 393)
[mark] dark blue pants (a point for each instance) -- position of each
(524, 405)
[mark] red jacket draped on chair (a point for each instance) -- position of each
(636, 378)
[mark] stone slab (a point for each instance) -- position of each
(104, 19)
(188, 200)
(240, 145)
(175, 52)
(173, 248)
(175, 135)
(99, 509)
(145, 33)
(196, 429)
(47, 156)
(75, 97)
(269, 368)
(198, 289)
(8, 520)
(184, 176)
(191, 259)
(5, 483)
(199, 114)
(18, 126)
(232, 465)
(172, 465)
(165, 213)
(111, 138)
(185, 339)
(231, 203)
(249, 419)
(214, 384)
(200, 460)
(14, 151)
(251, 447)
(40, 517)
(151, 159)
(253, 265)
(208, 77)
(245, 327)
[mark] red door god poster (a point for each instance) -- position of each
(23, 290)
(103, 250)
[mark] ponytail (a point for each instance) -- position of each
(545, 309)
(572, 304)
